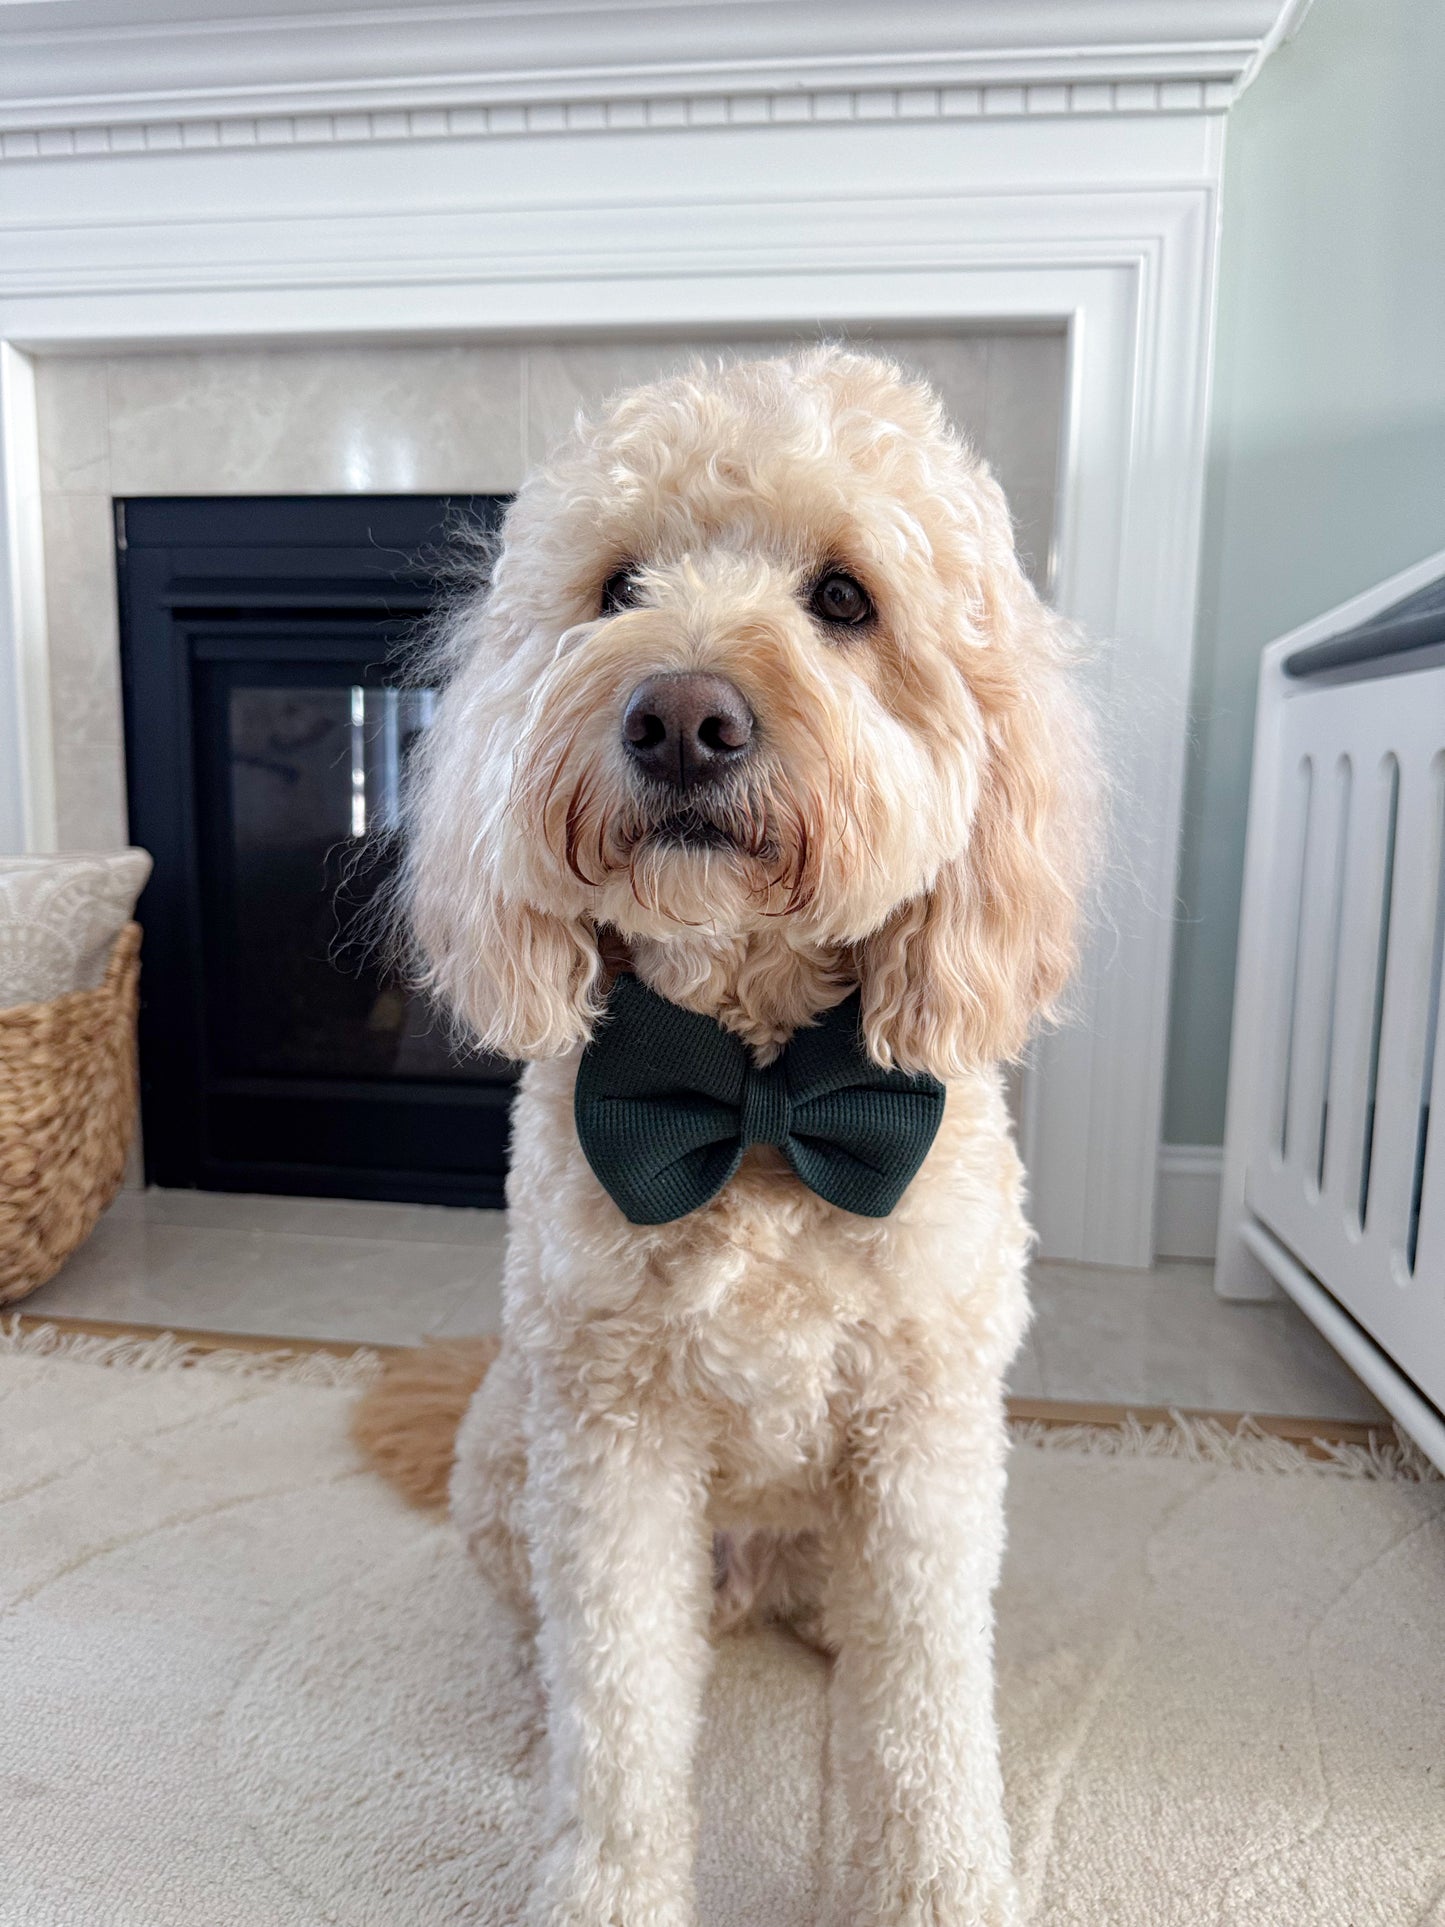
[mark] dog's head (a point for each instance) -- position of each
(757, 646)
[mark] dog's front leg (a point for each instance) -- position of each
(916, 1558)
(622, 1570)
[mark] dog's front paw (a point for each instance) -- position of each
(970, 1900)
(981, 1903)
(580, 1884)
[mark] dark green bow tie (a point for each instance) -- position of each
(668, 1101)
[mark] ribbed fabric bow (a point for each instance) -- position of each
(667, 1102)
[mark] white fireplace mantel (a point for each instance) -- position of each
(135, 73)
(193, 171)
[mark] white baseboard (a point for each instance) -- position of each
(1187, 1201)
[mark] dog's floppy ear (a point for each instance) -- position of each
(525, 982)
(956, 977)
(511, 959)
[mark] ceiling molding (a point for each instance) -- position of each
(84, 77)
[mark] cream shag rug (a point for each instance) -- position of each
(242, 1686)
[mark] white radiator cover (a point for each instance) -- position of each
(1331, 1161)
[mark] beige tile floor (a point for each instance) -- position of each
(392, 1273)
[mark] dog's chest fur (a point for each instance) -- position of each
(774, 1323)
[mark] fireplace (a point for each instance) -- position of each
(268, 649)
(567, 182)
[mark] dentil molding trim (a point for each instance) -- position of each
(82, 77)
(613, 116)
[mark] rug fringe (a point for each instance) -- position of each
(1245, 1447)
(167, 1353)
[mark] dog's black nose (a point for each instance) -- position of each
(685, 729)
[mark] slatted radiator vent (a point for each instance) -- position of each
(1337, 1102)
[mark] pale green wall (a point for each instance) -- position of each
(1327, 444)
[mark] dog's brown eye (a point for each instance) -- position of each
(619, 591)
(841, 598)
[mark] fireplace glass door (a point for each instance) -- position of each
(271, 711)
(301, 769)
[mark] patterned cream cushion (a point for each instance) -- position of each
(59, 916)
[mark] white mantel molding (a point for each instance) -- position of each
(180, 172)
(508, 120)
(137, 76)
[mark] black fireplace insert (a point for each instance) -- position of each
(271, 698)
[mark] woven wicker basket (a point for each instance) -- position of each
(67, 1111)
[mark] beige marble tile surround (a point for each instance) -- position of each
(389, 420)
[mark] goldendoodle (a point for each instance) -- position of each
(754, 816)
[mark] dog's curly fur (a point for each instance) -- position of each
(768, 1408)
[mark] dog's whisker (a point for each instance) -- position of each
(576, 808)
(601, 840)
(547, 796)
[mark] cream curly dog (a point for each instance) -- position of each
(761, 708)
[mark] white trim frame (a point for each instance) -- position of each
(27, 762)
(1106, 226)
